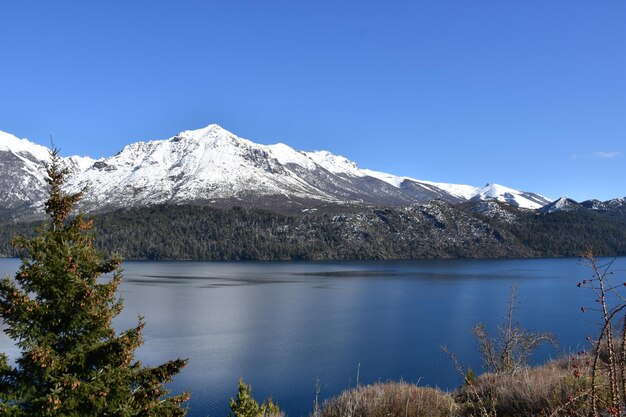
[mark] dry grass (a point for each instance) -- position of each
(558, 388)
(398, 399)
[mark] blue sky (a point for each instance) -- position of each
(529, 94)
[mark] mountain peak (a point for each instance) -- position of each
(564, 200)
(492, 191)
(211, 136)
(561, 204)
(211, 131)
(493, 188)
(211, 128)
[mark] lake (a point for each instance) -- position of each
(282, 326)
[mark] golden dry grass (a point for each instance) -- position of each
(558, 388)
(398, 399)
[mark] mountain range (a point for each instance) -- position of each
(211, 166)
(208, 194)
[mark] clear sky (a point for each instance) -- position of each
(526, 93)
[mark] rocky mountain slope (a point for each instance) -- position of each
(212, 166)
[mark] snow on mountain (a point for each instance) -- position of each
(596, 204)
(199, 165)
(24, 147)
(495, 210)
(616, 203)
(468, 192)
(31, 154)
(336, 164)
(22, 178)
(78, 164)
(561, 204)
(391, 179)
(511, 196)
(285, 154)
(37, 154)
(212, 165)
(567, 204)
(462, 191)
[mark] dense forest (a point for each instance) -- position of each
(431, 230)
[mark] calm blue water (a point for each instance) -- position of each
(284, 325)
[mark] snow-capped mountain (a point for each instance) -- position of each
(22, 175)
(567, 204)
(213, 166)
(561, 204)
(508, 195)
(22, 180)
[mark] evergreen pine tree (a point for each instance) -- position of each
(246, 406)
(59, 311)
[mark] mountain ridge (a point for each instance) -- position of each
(215, 167)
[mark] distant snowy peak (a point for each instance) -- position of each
(567, 204)
(468, 192)
(616, 203)
(511, 196)
(597, 204)
(561, 204)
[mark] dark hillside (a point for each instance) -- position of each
(430, 230)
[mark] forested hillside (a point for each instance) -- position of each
(430, 230)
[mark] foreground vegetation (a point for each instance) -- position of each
(549, 390)
(562, 387)
(59, 311)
